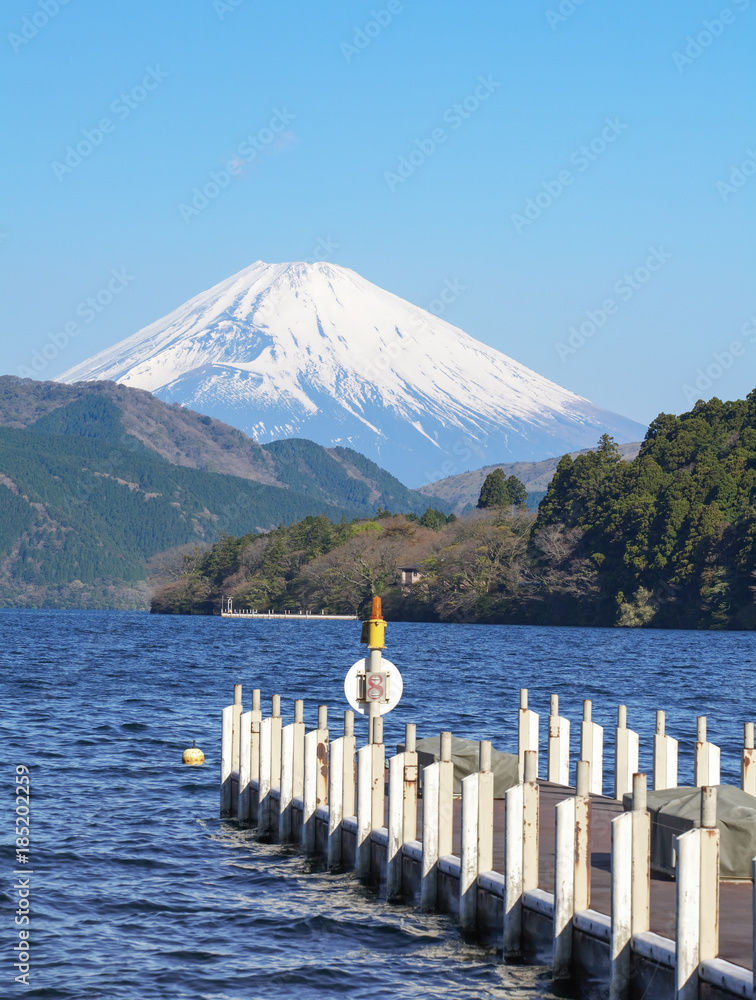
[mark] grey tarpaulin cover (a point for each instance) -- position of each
(675, 810)
(465, 760)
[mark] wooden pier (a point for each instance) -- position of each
(550, 873)
(228, 611)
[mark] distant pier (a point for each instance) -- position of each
(228, 611)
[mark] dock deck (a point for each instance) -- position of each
(736, 918)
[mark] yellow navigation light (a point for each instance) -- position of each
(374, 629)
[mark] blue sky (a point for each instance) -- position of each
(597, 172)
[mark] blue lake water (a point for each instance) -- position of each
(139, 891)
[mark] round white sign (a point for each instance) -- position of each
(396, 685)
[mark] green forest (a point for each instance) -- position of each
(666, 540)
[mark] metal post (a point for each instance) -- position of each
(297, 777)
(621, 907)
(275, 742)
(378, 777)
(485, 809)
(709, 891)
(237, 715)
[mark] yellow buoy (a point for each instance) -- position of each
(193, 756)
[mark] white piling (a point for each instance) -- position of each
(485, 808)
(564, 888)
(245, 737)
(321, 780)
(687, 922)
(707, 758)
(592, 748)
(297, 778)
(626, 749)
(748, 761)
(335, 801)
(227, 728)
(527, 732)
(287, 783)
(665, 757)
(641, 856)
(429, 872)
(275, 742)
(530, 823)
(559, 745)
(709, 889)
(237, 711)
(395, 828)
(445, 797)
(349, 806)
(513, 830)
(468, 874)
(621, 907)
(254, 746)
(582, 880)
(410, 783)
(309, 792)
(263, 809)
(364, 809)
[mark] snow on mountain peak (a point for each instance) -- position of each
(315, 350)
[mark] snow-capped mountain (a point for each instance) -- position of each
(316, 351)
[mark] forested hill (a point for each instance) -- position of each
(87, 509)
(336, 477)
(665, 540)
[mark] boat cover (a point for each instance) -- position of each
(675, 810)
(465, 754)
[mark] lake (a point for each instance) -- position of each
(139, 891)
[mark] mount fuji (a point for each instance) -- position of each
(316, 351)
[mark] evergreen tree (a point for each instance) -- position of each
(494, 491)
